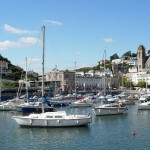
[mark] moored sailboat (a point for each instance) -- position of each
(51, 119)
(109, 106)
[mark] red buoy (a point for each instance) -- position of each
(133, 133)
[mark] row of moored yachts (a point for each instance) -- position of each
(43, 114)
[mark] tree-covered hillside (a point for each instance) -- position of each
(17, 72)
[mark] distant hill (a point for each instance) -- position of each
(17, 72)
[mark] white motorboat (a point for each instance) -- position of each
(7, 106)
(53, 119)
(144, 104)
(81, 103)
(110, 108)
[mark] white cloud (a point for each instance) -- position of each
(8, 44)
(28, 40)
(17, 31)
(53, 22)
(108, 40)
(25, 41)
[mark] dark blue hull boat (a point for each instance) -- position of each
(36, 110)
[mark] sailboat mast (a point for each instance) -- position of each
(104, 72)
(1, 81)
(26, 80)
(75, 82)
(55, 80)
(43, 29)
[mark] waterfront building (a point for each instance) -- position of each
(139, 76)
(133, 62)
(96, 81)
(133, 69)
(141, 71)
(124, 64)
(4, 67)
(66, 79)
(141, 58)
(59, 81)
(56, 81)
(84, 81)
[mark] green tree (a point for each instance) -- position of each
(127, 54)
(4, 59)
(148, 51)
(6, 84)
(16, 75)
(15, 84)
(141, 84)
(114, 56)
(126, 82)
(134, 55)
(85, 69)
(97, 67)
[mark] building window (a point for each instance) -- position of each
(60, 76)
(139, 54)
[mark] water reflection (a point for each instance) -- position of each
(56, 137)
(115, 130)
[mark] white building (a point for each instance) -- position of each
(140, 76)
(4, 67)
(90, 83)
(131, 61)
(133, 70)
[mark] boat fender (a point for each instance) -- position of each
(58, 121)
(77, 121)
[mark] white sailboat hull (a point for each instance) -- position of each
(41, 120)
(51, 123)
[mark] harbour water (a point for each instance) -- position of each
(104, 133)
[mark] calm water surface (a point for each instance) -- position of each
(104, 133)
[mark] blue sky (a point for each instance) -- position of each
(76, 31)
